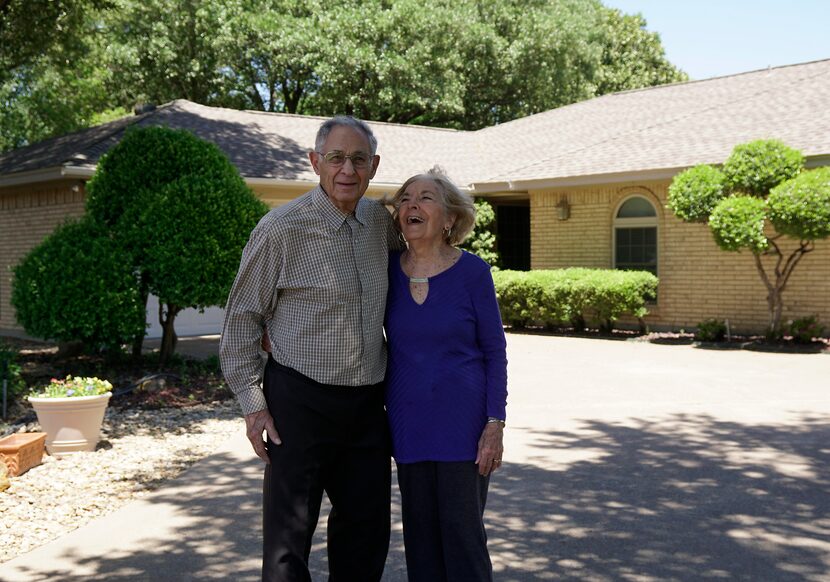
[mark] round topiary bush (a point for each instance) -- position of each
(78, 285)
(800, 207)
(738, 222)
(694, 193)
(756, 167)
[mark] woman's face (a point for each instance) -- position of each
(421, 213)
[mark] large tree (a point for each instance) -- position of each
(274, 52)
(51, 96)
(758, 197)
(161, 50)
(52, 80)
(450, 63)
(29, 28)
(632, 56)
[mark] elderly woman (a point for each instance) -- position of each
(446, 382)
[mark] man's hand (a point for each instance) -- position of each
(490, 448)
(256, 423)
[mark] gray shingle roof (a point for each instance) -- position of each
(665, 127)
(672, 126)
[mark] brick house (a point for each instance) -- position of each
(582, 185)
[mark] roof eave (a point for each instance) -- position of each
(279, 182)
(282, 182)
(476, 188)
(48, 175)
(818, 161)
(571, 181)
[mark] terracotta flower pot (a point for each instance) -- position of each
(21, 451)
(72, 424)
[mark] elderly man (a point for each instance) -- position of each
(313, 275)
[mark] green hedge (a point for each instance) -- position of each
(572, 296)
(78, 285)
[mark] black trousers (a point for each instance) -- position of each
(443, 522)
(334, 439)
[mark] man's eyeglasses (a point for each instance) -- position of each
(337, 158)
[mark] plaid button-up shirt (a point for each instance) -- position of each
(317, 279)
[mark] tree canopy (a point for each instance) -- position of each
(632, 56)
(30, 28)
(52, 80)
(450, 63)
(185, 192)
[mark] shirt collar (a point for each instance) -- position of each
(332, 215)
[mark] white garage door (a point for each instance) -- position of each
(188, 322)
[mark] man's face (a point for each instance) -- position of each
(344, 183)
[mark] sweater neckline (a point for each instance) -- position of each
(449, 269)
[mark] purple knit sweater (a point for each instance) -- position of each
(447, 369)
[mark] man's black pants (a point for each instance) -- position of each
(334, 439)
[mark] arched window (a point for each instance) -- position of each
(635, 235)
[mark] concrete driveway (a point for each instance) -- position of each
(624, 461)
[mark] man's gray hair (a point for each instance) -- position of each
(348, 121)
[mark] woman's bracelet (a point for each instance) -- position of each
(494, 420)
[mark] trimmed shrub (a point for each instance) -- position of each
(711, 330)
(482, 241)
(78, 285)
(521, 298)
(188, 197)
(800, 207)
(738, 222)
(756, 167)
(695, 192)
(804, 329)
(572, 296)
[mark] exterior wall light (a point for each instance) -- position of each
(563, 209)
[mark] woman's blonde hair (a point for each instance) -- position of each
(456, 203)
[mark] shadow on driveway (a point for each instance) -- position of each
(685, 498)
(689, 498)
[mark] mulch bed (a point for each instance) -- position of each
(137, 382)
(736, 342)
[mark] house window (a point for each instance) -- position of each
(635, 235)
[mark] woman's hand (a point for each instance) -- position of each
(490, 448)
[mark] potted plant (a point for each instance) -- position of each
(71, 412)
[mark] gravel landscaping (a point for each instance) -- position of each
(139, 450)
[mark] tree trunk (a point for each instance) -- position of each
(167, 318)
(776, 307)
(775, 290)
(138, 342)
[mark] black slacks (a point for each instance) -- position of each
(443, 522)
(334, 439)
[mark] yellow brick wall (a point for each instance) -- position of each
(697, 280)
(27, 215)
